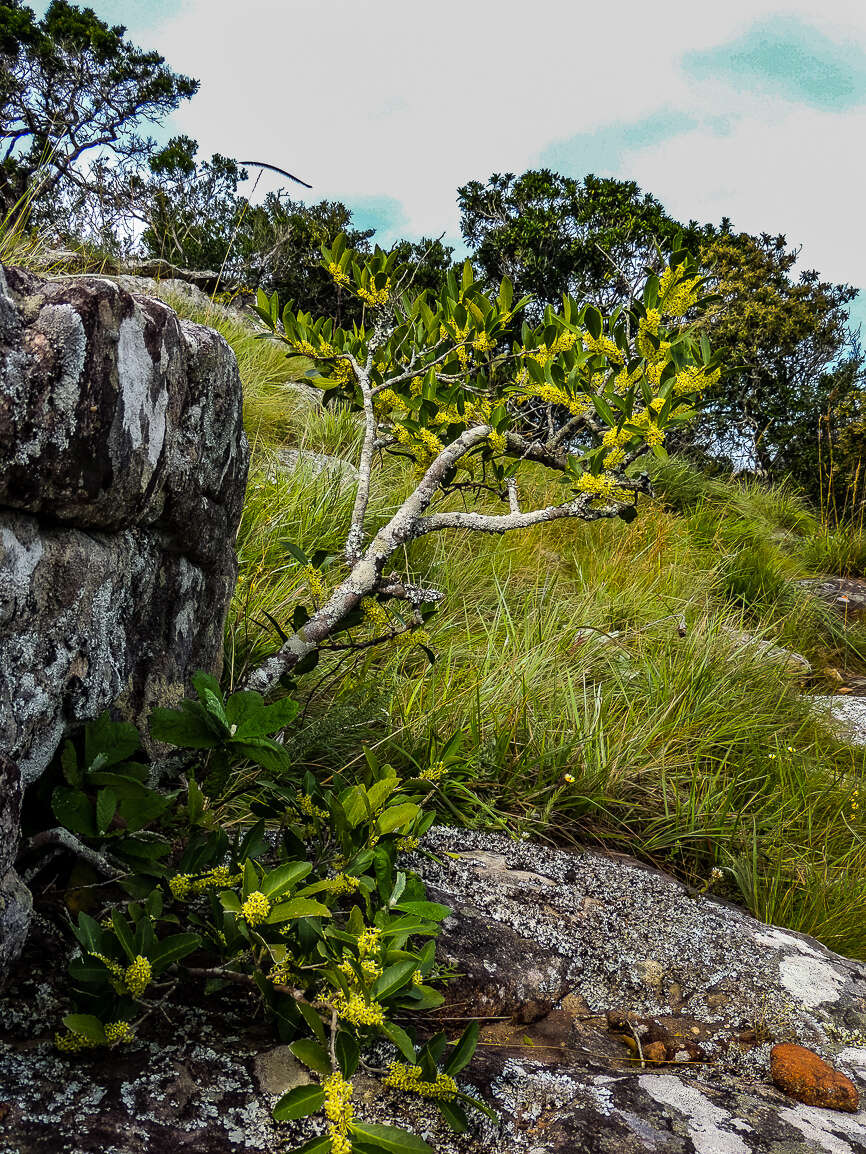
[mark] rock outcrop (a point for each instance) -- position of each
(122, 471)
(621, 1014)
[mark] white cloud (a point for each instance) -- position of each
(375, 98)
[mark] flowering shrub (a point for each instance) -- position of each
(311, 907)
(446, 383)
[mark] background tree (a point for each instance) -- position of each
(74, 91)
(190, 211)
(551, 234)
(279, 250)
(788, 354)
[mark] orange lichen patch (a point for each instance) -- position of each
(809, 1079)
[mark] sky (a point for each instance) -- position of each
(751, 109)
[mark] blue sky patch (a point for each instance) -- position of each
(602, 150)
(785, 56)
(383, 213)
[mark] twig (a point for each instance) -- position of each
(67, 840)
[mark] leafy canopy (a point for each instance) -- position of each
(73, 92)
(439, 367)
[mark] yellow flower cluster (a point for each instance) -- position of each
(407, 844)
(615, 438)
(417, 978)
(410, 1078)
(137, 976)
(435, 771)
(368, 941)
(483, 343)
(358, 1011)
(375, 297)
(544, 354)
(603, 486)
(371, 969)
(115, 969)
(652, 434)
(340, 276)
(553, 395)
(281, 973)
(497, 441)
(430, 442)
(374, 613)
(424, 439)
(614, 459)
(255, 909)
(72, 1043)
(694, 380)
(387, 400)
(305, 804)
(624, 379)
(339, 1112)
(118, 1032)
(306, 349)
(184, 885)
(603, 346)
(416, 386)
(648, 324)
(855, 803)
(315, 582)
(343, 884)
(409, 638)
(677, 295)
(343, 373)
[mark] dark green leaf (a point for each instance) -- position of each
(73, 810)
(454, 1115)
(401, 1040)
(312, 1054)
(87, 1025)
(348, 1053)
(432, 910)
(284, 878)
(390, 1138)
(114, 740)
(172, 949)
(106, 808)
(297, 908)
(463, 1051)
(299, 1103)
(394, 978)
(123, 934)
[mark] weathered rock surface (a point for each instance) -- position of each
(337, 470)
(848, 713)
(122, 471)
(566, 955)
(15, 902)
(847, 595)
(787, 658)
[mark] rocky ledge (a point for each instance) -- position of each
(621, 1013)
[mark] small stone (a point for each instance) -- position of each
(808, 1078)
(278, 1071)
(655, 1052)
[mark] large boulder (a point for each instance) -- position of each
(567, 958)
(123, 464)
